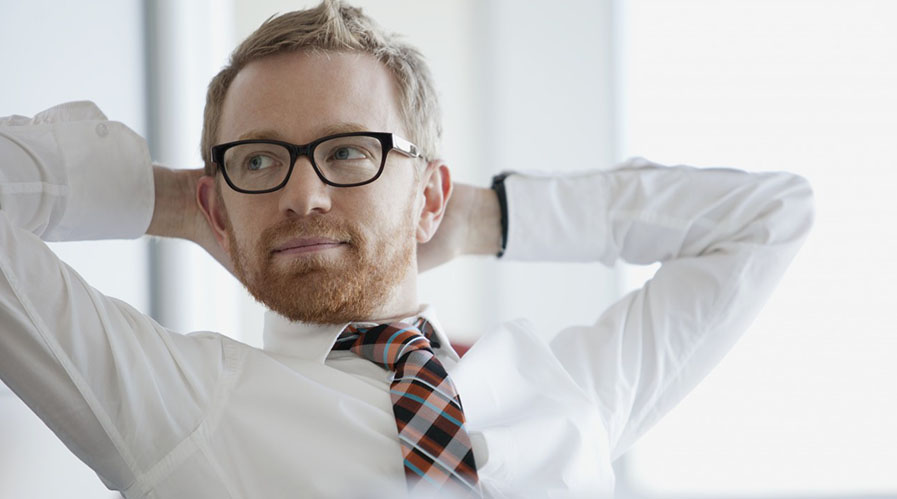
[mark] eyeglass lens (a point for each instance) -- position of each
(341, 160)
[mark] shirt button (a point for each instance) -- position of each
(102, 130)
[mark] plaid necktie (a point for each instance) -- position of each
(429, 417)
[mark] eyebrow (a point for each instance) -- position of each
(265, 133)
(272, 134)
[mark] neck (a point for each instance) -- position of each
(403, 301)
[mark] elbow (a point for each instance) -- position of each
(786, 212)
(796, 209)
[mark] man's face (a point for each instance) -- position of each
(310, 251)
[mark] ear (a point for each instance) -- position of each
(436, 185)
(212, 207)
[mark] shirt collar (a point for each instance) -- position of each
(312, 342)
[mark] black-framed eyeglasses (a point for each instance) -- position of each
(257, 166)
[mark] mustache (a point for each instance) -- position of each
(315, 226)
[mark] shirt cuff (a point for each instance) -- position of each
(558, 218)
(110, 181)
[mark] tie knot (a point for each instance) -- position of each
(383, 344)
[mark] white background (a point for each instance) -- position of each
(806, 404)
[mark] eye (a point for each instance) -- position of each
(345, 153)
(259, 162)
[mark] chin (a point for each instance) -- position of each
(321, 296)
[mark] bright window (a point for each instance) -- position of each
(806, 403)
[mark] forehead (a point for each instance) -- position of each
(303, 95)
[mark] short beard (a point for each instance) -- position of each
(315, 290)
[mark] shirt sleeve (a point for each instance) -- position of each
(724, 238)
(117, 388)
(70, 174)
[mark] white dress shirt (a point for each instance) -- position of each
(161, 414)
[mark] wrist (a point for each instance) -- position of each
(498, 186)
(484, 236)
(174, 203)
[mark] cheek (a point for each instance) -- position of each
(393, 199)
(245, 225)
(388, 214)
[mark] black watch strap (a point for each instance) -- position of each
(498, 185)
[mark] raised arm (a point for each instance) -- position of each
(724, 238)
(103, 376)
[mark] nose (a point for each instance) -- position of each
(305, 193)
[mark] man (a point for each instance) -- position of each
(323, 192)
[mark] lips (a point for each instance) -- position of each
(306, 244)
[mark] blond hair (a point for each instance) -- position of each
(333, 26)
